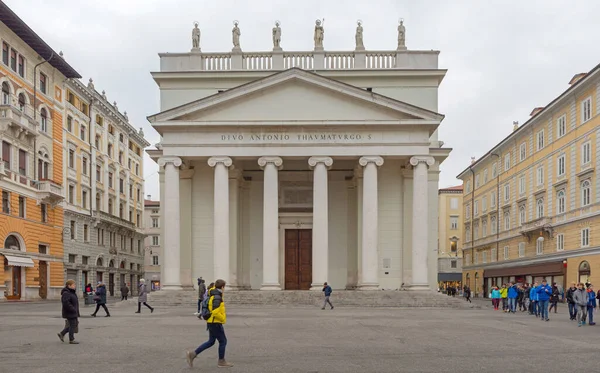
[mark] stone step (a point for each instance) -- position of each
(401, 299)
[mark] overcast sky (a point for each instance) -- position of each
(503, 57)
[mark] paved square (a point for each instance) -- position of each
(298, 340)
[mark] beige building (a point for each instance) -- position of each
(449, 236)
(152, 245)
(532, 203)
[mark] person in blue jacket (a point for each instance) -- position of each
(591, 306)
(533, 296)
(513, 293)
(544, 293)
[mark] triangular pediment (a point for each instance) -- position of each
(296, 95)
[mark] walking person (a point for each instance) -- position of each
(327, 292)
(571, 301)
(513, 293)
(124, 291)
(214, 324)
(504, 297)
(581, 298)
(143, 296)
(100, 299)
(468, 294)
(591, 306)
(534, 296)
(554, 298)
(544, 293)
(201, 293)
(495, 297)
(70, 312)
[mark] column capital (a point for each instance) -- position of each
(428, 160)
(226, 161)
(313, 161)
(175, 161)
(277, 161)
(363, 161)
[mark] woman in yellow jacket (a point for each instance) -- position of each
(214, 324)
(504, 296)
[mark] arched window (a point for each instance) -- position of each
(522, 215)
(98, 202)
(122, 266)
(560, 202)
(484, 228)
(111, 264)
(584, 272)
(44, 120)
(12, 243)
(586, 191)
(5, 94)
(506, 221)
(540, 208)
(99, 262)
(494, 224)
(21, 102)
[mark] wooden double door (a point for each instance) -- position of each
(298, 259)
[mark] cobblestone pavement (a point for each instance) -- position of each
(263, 339)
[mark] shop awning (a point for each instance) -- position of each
(18, 261)
(449, 277)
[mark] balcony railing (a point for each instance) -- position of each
(20, 117)
(113, 219)
(536, 224)
(50, 192)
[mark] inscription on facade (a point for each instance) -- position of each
(297, 137)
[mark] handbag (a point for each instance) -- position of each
(75, 327)
(96, 298)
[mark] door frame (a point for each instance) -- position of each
(290, 220)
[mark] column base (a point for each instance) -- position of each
(418, 287)
(271, 287)
(368, 287)
(315, 287)
(171, 287)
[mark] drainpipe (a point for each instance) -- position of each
(35, 171)
(497, 207)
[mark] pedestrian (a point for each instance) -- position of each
(520, 297)
(544, 293)
(124, 291)
(526, 300)
(468, 294)
(214, 325)
(70, 312)
(554, 298)
(495, 297)
(100, 299)
(504, 297)
(327, 292)
(571, 302)
(201, 293)
(581, 298)
(143, 296)
(591, 306)
(513, 293)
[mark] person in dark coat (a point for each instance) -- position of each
(100, 299)
(554, 298)
(124, 291)
(143, 297)
(70, 311)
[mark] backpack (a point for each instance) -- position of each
(205, 313)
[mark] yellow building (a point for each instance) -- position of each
(31, 222)
(532, 203)
(449, 236)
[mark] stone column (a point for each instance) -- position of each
(270, 165)
(370, 256)
(187, 276)
(171, 279)
(420, 244)
(221, 217)
(320, 233)
(358, 177)
(235, 279)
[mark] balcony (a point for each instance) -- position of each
(49, 192)
(542, 225)
(20, 119)
(104, 217)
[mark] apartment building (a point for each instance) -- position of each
(532, 203)
(31, 110)
(104, 189)
(153, 258)
(449, 236)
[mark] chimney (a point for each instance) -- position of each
(576, 78)
(515, 125)
(536, 110)
(472, 160)
(149, 197)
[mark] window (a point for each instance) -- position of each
(468, 211)
(73, 229)
(561, 126)
(138, 194)
(71, 194)
(44, 212)
(560, 166)
(130, 191)
(494, 170)
(98, 173)
(586, 110)
(522, 215)
(5, 202)
(111, 129)
(506, 221)
(84, 198)
(476, 231)
(99, 120)
(540, 140)
(5, 94)
(71, 98)
(138, 221)
(539, 208)
(97, 142)
(539, 247)
(71, 158)
(21, 66)
(155, 260)
(476, 181)
(154, 240)
(70, 124)
(5, 52)
(521, 249)
(72, 258)
(485, 176)
(586, 191)
(560, 242)
(121, 138)
(43, 120)
(506, 192)
(484, 203)
(13, 59)
(493, 199)
(43, 83)
(129, 163)
(121, 185)
(139, 245)
(110, 150)
(476, 208)
(155, 211)
(85, 260)
(22, 207)
(506, 252)
(522, 184)
(586, 153)
(484, 257)
(522, 152)
(121, 210)
(585, 237)
(493, 255)
(121, 157)
(484, 228)
(84, 166)
(468, 189)
(110, 206)
(506, 162)
(130, 215)
(86, 237)
(452, 263)
(137, 169)
(43, 249)
(110, 179)
(494, 224)
(454, 203)
(82, 132)
(21, 102)
(98, 202)
(540, 176)
(84, 108)
(155, 222)
(560, 202)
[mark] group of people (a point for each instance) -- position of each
(581, 299)
(70, 305)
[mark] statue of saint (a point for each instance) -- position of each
(277, 36)
(401, 35)
(236, 35)
(319, 33)
(359, 36)
(196, 36)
